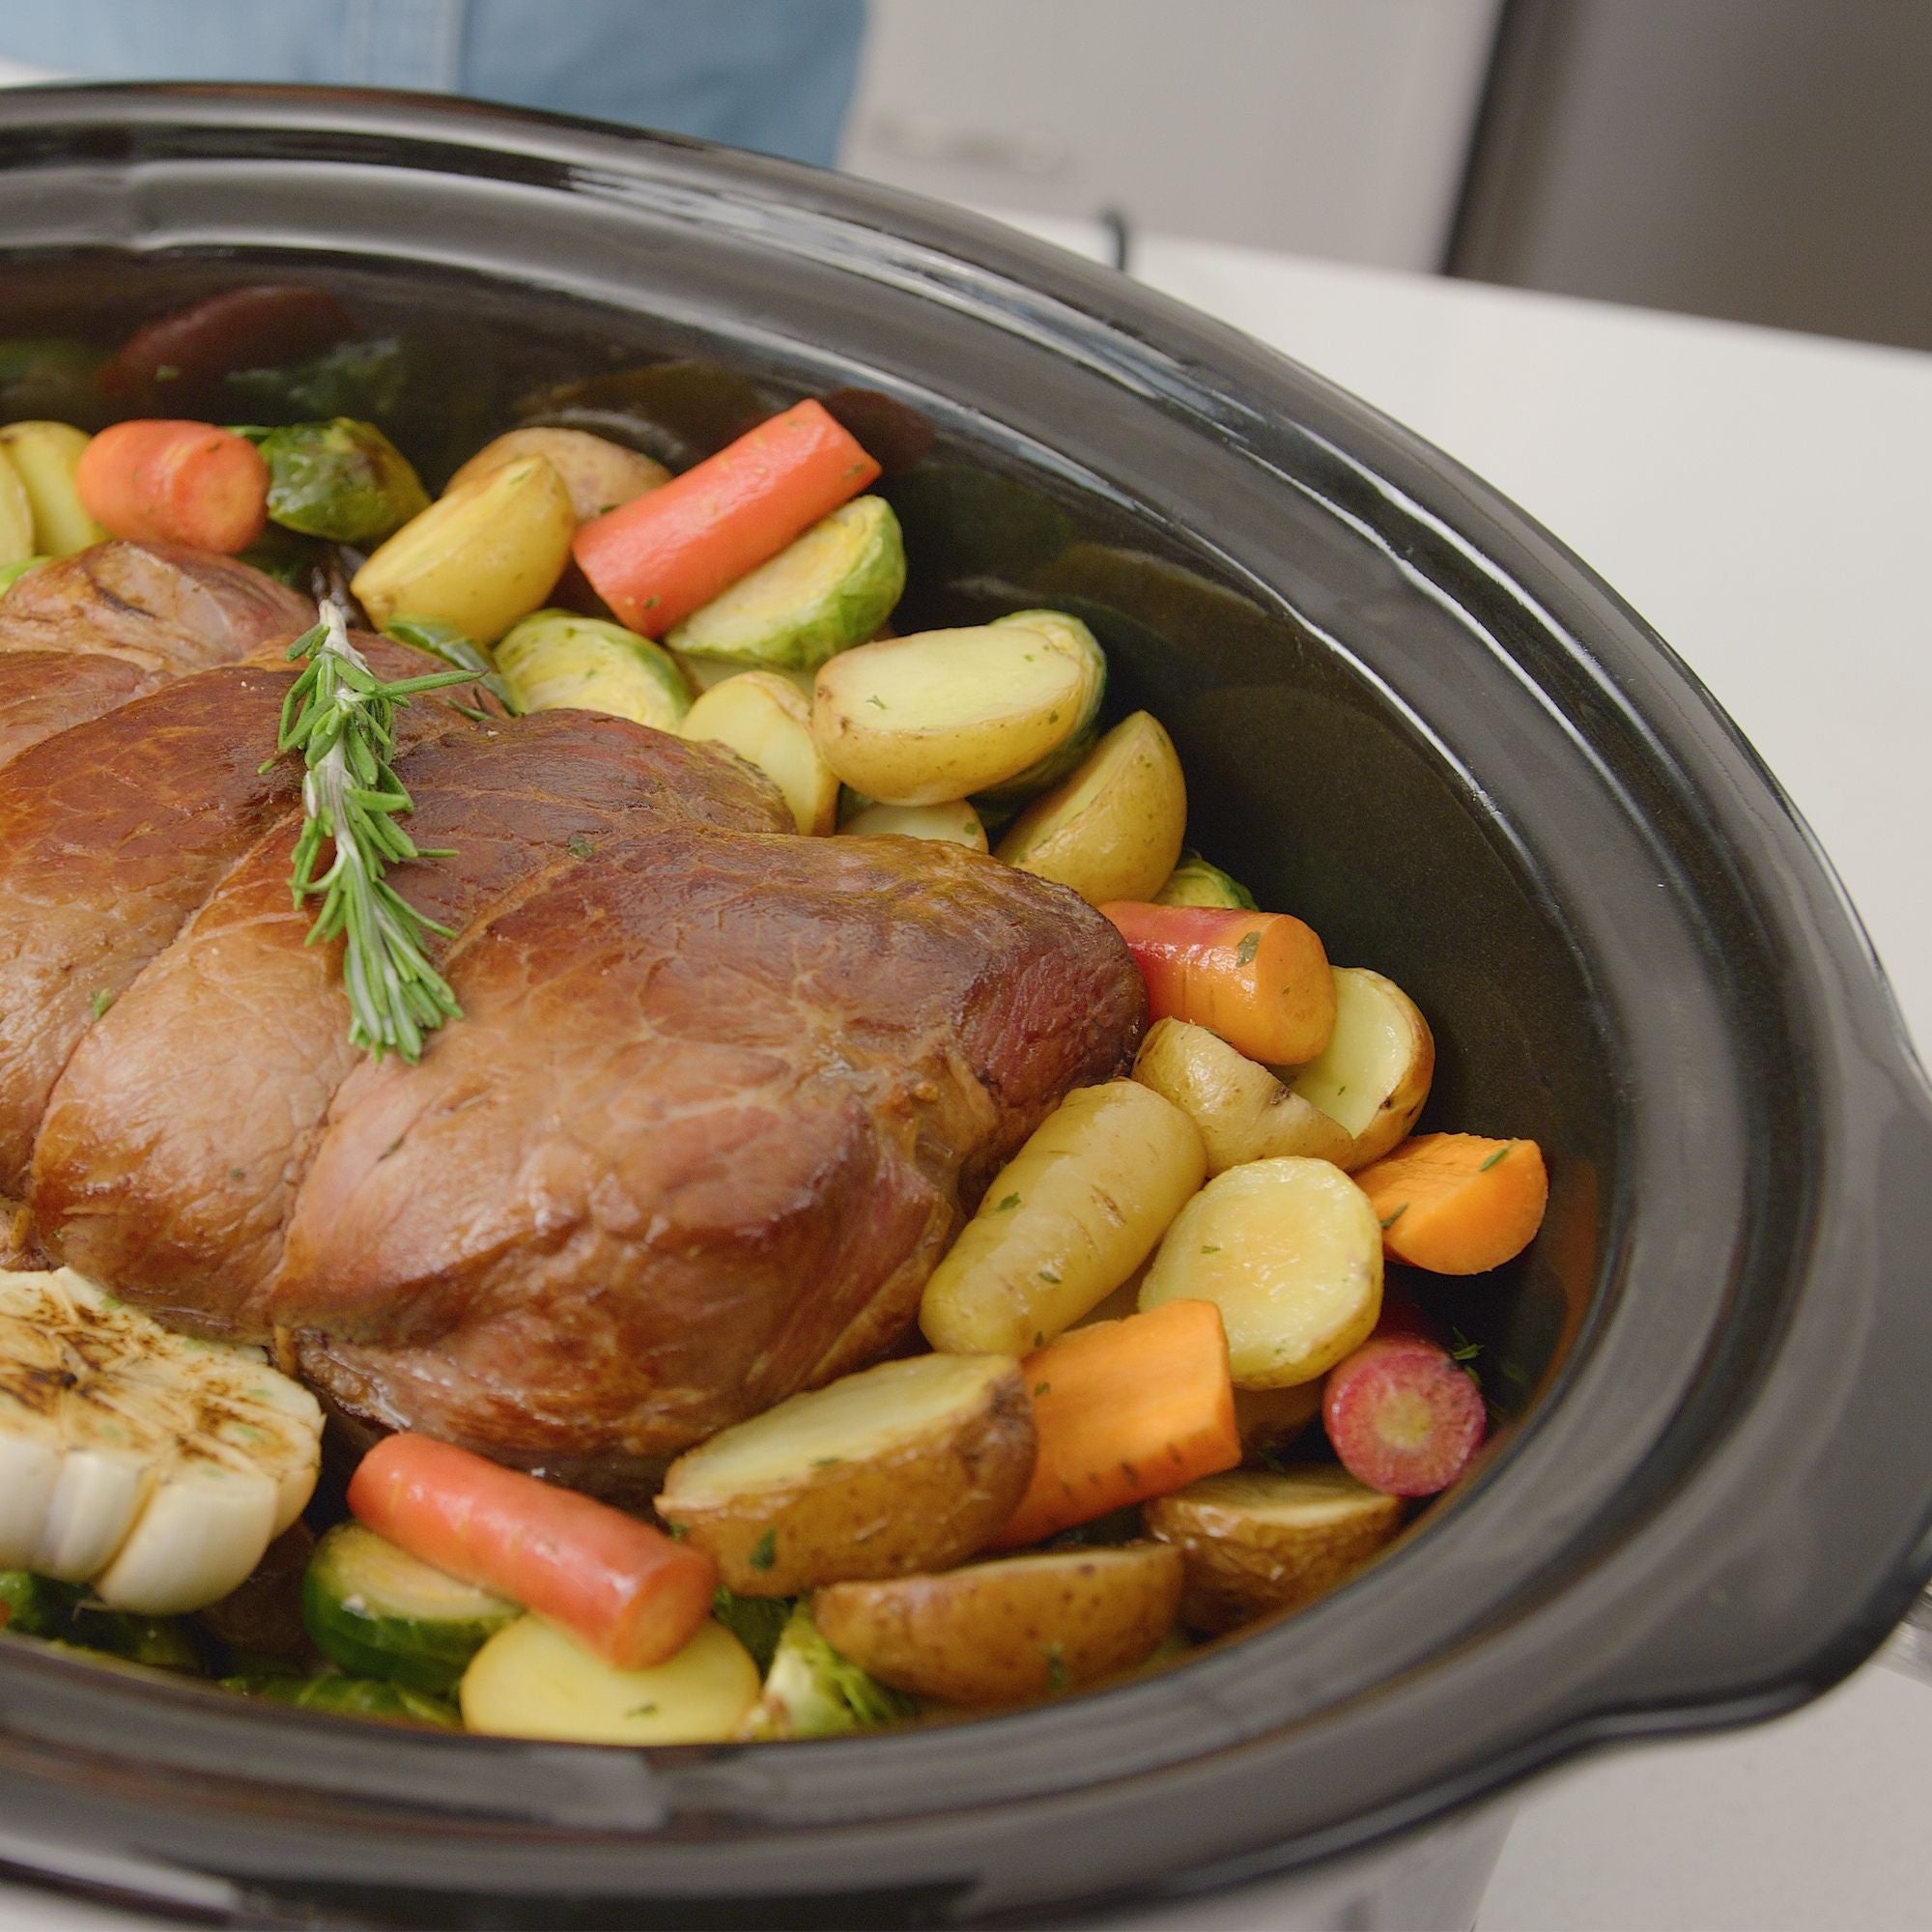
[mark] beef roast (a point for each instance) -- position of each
(703, 1132)
(718, 1097)
(171, 1151)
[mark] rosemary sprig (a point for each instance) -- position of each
(342, 719)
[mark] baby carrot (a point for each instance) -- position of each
(155, 480)
(1456, 1203)
(659, 556)
(627, 1590)
(1125, 1411)
(1260, 979)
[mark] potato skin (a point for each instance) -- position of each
(1388, 1070)
(1243, 1560)
(1005, 1632)
(925, 1505)
(598, 474)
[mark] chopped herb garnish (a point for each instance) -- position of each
(1496, 1156)
(166, 372)
(1056, 1669)
(1389, 1220)
(1462, 1348)
(1244, 954)
(1047, 1274)
(827, 1461)
(879, 702)
(1040, 1337)
(1210, 1248)
(1042, 1388)
(1011, 1201)
(1272, 1458)
(642, 1711)
(579, 846)
(766, 1551)
(100, 999)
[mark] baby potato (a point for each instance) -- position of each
(1269, 1419)
(1244, 1112)
(598, 474)
(943, 713)
(955, 824)
(762, 718)
(1374, 1075)
(16, 515)
(1112, 830)
(1290, 1253)
(1003, 1632)
(1253, 1542)
(479, 557)
(1065, 1222)
(913, 1464)
(532, 1680)
(44, 456)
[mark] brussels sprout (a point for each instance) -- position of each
(372, 381)
(446, 642)
(33, 1605)
(346, 1697)
(557, 659)
(340, 479)
(11, 572)
(828, 590)
(1194, 882)
(812, 1692)
(162, 1643)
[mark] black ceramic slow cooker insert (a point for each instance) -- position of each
(1408, 714)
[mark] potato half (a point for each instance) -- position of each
(1290, 1253)
(532, 1680)
(1112, 830)
(44, 456)
(1271, 1419)
(1374, 1075)
(1253, 1542)
(480, 557)
(943, 713)
(913, 1464)
(1242, 1111)
(1004, 1632)
(761, 716)
(16, 515)
(598, 474)
(955, 824)
(1066, 1221)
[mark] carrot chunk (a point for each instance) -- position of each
(1457, 1204)
(1259, 979)
(659, 556)
(158, 480)
(1125, 1411)
(625, 1589)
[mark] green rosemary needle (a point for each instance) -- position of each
(342, 719)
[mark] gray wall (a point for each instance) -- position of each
(1769, 160)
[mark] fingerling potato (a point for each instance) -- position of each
(1112, 828)
(910, 1465)
(955, 824)
(1290, 1253)
(1004, 1632)
(597, 474)
(1242, 1111)
(1253, 1542)
(532, 1680)
(1066, 1221)
(761, 716)
(1374, 1075)
(479, 557)
(944, 714)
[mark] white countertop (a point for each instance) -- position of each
(1762, 498)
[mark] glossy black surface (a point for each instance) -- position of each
(1408, 714)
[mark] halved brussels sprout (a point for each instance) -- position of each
(341, 479)
(556, 660)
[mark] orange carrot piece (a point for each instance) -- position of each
(1125, 1411)
(157, 480)
(1457, 1204)
(1260, 979)
(659, 556)
(625, 1589)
